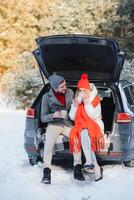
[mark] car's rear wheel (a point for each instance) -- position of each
(33, 160)
(129, 163)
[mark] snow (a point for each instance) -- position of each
(20, 181)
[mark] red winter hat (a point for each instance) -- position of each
(83, 82)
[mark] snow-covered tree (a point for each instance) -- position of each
(21, 22)
(128, 72)
(21, 84)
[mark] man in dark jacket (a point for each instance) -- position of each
(55, 107)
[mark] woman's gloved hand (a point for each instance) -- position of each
(86, 100)
(78, 99)
(86, 97)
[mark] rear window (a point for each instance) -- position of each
(129, 92)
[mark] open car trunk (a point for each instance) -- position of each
(100, 58)
(108, 110)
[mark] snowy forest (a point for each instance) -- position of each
(22, 21)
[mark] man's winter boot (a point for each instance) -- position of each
(46, 176)
(78, 175)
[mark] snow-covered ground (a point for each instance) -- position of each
(20, 181)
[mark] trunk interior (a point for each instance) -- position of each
(108, 109)
(107, 106)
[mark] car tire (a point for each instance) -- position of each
(129, 163)
(34, 160)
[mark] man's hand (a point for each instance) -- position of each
(57, 114)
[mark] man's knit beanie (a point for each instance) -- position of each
(55, 80)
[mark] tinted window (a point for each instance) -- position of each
(129, 91)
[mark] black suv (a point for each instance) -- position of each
(102, 60)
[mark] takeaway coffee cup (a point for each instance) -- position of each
(63, 113)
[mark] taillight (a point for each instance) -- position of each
(124, 118)
(30, 113)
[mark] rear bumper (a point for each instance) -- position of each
(116, 156)
(104, 156)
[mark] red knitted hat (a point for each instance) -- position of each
(83, 82)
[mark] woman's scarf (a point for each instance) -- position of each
(83, 121)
